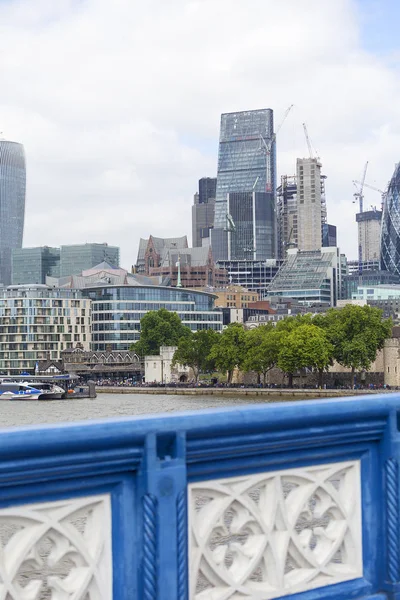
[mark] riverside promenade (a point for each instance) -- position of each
(270, 394)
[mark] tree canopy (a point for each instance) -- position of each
(159, 328)
(356, 333)
(194, 351)
(305, 346)
(229, 350)
(262, 349)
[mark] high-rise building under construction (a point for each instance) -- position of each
(311, 203)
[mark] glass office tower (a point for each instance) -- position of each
(246, 164)
(12, 203)
(33, 265)
(76, 258)
(390, 234)
(253, 236)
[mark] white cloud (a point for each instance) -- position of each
(118, 106)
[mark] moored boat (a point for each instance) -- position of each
(16, 390)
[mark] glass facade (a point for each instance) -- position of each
(246, 163)
(390, 233)
(207, 189)
(117, 310)
(254, 275)
(32, 265)
(77, 258)
(12, 203)
(313, 276)
(254, 236)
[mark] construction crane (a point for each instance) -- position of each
(359, 193)
(230, 224)
(310, 149)
(266, 146)
(371, 187)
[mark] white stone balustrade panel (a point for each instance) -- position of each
(57, 550)
(274, 534)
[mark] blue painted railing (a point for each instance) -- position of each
(298, 499)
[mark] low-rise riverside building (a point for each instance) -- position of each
(107, 364)
(38, 323)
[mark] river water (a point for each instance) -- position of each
(30, 412)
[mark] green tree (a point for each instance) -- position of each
(305, 346)
(229, 350)
(357, 333)
(262, 349)
(194, 351)
(159, 328)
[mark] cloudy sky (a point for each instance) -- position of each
(118, 104)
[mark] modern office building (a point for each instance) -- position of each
(254, 275)
(78, 257)
(207, 189)
(287, 214)
(377, 292)
(33, 265)
(203, 210)
(37, 323)
(246, 164)
(368, 278)
(12, 203)
(117, 310)
(311, 204)
(390, 236)
(369, 234)
(310, 277)
(329, 235)
(355, 267)
(252, 232)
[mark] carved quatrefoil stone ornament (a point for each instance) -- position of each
(273, 534)
(59, 550)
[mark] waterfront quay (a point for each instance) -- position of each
(271, 394)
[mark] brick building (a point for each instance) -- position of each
(160, 257)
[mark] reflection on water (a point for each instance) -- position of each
(31, 412)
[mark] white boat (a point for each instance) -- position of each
(16, 390)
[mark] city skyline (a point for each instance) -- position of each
(119, 150)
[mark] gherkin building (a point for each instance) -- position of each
(12, 203)
(390, 233)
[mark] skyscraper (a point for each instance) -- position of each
(390, 235)
(12, 203)
(207, 189)
(203, 211)
(311, 204)
(246, 164)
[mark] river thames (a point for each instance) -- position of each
(30, 412)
